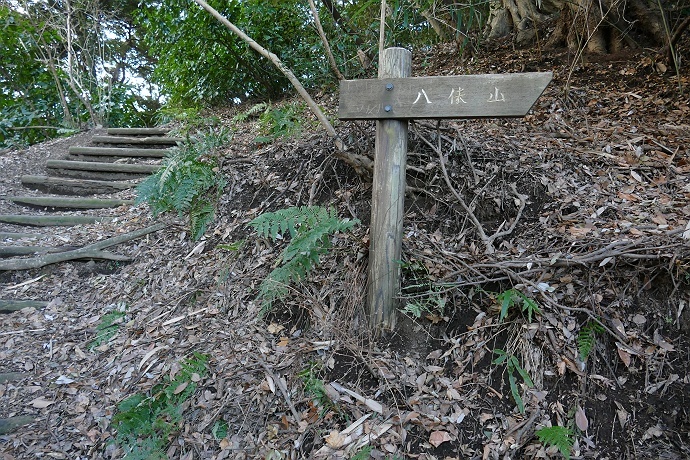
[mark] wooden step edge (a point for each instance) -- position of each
(68, 202)
(137, 140)
(16, 305)
(66, 186)
(14, 251)
(51, 221)
(102, 167)
(14, 376)
(8, 425)
(118, 152)
(138, 131)
(105, 159)
(20, 236)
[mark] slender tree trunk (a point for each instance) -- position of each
(322, 34)
(360, 163)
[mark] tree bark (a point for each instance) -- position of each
(50, 221)
(64, 186)
(598, 27)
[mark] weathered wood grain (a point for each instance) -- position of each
(50, 221)
(387, 204)
(67, 202)
(64, 186)
(154, 140)
(460, 96)
(138, 131)
(118, 152)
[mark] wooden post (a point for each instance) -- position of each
(392, 100)
(388, 198)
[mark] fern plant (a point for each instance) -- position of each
(188, 182)
(560, 436)
(586, 338)
(309, 228)
(253, 110)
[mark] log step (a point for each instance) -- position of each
(101, 167)
(98, 170)
(67, 203)
(138, 131)
(63, 186)
(13, 376)
(16, 305)
(137, 140)
(50, 221)
(19, 236)
(8, 425)
(118, 152)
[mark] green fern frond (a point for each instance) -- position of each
(559, 436)
(309, 227)
(187, 182)
(586, 338)
(257, 108)
(199, 218)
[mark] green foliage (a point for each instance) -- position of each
(513, 366)
(108, 327)
(508, 299)
(586, 338)
(284, 121)
(254, 110)
(220, 429)
(309, 228)
(199, 61)
(559, 436)
(49, 82)
(192, 119)
(145, 424)
(364, 454)
(188, 182)
(313, 385)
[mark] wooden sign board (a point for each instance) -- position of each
(460, 96)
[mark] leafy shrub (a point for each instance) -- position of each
(422, 296)
(309, 228)
(277, 122)
(189, 182)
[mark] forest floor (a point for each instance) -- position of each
(597, 181)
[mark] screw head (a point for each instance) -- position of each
(388, 108)
(389, 86)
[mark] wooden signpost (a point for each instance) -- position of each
(392, 100)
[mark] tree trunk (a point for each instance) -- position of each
(598, 27)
